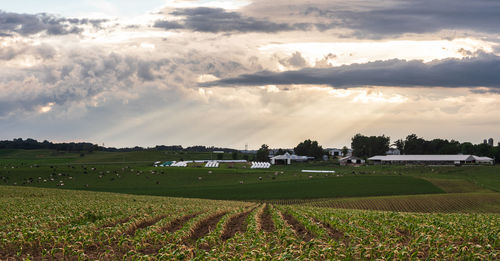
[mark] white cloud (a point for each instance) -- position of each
(127, 83)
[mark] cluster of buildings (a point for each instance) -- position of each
(431, 159)
(393, 156)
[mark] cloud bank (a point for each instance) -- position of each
(481, 71)
(29, 24)
(215, 20)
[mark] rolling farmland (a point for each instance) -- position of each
(434, 203)
(42, 223)
(63, 206)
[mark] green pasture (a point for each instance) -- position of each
(133, 173)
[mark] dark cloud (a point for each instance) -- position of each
(481, 71)
(488, 90)
(168, 24)
(214, 20)
(28, 24)
(364, 21)
(412, 16)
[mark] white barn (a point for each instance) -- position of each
(287, 158)
(431, 159)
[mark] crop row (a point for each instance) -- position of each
(442, 203)
(45, 224)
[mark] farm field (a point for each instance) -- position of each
(428, 203)
(40, 223)
(132, 173)
(230, 182)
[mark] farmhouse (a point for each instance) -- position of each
(431, 159)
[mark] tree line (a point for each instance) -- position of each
(32, 144)
(368, 146)
(308, 148)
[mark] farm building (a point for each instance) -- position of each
(393, 151)
(339, 152)
(483, 160)
(431, 159)
(351, 160)
(287, 159)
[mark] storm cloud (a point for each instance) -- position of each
(481, 71)
(414, 16)
(28, 24)
(214, 20)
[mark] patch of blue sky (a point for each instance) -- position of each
(85, 8)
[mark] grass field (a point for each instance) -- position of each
(132, 173)
(39, 223)
(231, 182)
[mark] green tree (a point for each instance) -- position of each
(345, 150)
(414, 145)
(364, 146)
(467, 148)
(309, 148)
(263, 153)
(235, 155)
(220, 156)
(400, 145)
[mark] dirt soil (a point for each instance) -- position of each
(298, 227)
(266, 222)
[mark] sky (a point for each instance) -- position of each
(229, 73)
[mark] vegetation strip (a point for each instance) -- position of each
(204, 227)
(298, 227)
(178, 223)
(265, 220)
(235, 224)
(143, 224)
(117, 222)
(332, 232)
(94, 252)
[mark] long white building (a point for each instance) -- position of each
(431, 159)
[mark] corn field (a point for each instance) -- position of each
(38, 224)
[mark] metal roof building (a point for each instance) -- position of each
(287, 158)
(430, 159)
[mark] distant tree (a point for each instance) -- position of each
(235, 155)
(400, 145)
(280, 152)
(484, 150)
(220, 156)
(263, 153)
(414, 145)
(364, 146)
(309, 148)
(467, 148)
(245, 156)
(345, 150)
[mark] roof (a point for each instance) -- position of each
(482, 159)
(349, 158)
(288, 156)
(423, 158)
